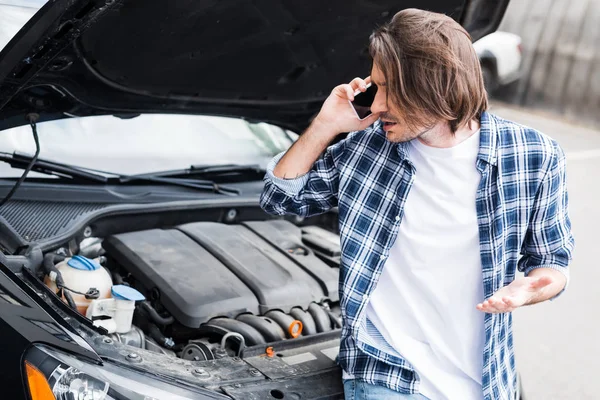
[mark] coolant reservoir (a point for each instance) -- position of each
(80, 274)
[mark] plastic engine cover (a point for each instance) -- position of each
(275, 277)
(209, 269)
(194, 286)
(290, 239)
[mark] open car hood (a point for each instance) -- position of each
(273, 61)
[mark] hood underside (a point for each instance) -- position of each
(272, 61)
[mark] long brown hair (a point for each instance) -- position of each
(431, 69)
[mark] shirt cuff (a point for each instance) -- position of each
(290, 186)
(563, 270)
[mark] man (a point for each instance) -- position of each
(438, 199)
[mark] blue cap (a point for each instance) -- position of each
(83, 263)
(124, 292)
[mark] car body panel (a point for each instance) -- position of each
(24, 320)
(273, 62)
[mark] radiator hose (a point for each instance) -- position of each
(154, 315)
(161, 339)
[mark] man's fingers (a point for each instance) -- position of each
(509, 302)
(494, 305)
(488, 306)
(358, 84)
(346, 91)
(497, 304)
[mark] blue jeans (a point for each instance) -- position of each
(359, 390)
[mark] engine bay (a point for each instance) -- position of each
(210, 290)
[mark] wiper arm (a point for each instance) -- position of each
(207, 170)
(225, 168)
(21, 161)
(194, 184)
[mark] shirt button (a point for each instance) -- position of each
(365, 297)
(397, 218)
(382, 257)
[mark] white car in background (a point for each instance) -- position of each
(500, 54)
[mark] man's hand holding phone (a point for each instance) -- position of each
(337, 115)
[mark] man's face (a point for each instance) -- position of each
(393, 124)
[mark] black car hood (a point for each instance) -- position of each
(272, 61)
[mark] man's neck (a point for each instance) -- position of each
(442, 137)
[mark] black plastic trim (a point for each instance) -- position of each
(143, 210)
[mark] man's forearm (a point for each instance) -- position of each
(559, 281)
(299, 159)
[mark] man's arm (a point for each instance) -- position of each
(299, 182)
(336, 116)
(547, 248)
(551, 282)
(303, 154)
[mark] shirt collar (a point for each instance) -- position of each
(403, 151)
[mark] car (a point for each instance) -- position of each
(135, 260)
(500, 54)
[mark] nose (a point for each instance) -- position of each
(380, 102)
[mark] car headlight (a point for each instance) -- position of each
(54, 375)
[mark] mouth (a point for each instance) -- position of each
(387, 125)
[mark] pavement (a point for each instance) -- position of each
(556, 342)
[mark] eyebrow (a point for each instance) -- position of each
(377, 83)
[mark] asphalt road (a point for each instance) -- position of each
(557, 346)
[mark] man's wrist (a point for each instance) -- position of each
(322, 129)
(559, 281)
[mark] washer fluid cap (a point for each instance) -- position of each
(83, 263)
(123, 292)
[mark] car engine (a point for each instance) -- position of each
(213, 289)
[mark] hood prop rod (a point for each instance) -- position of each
(32, 118)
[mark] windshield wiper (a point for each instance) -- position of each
(194, 184)
(225, 168)
(22, 161)
(209, 170)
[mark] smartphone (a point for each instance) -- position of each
(363, 100)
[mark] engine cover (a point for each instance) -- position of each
(209, 269)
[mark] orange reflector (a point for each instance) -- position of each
(295, 329)
(38, 385)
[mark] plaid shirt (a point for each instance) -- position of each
(523, 222)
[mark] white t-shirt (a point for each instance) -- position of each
(424, 303)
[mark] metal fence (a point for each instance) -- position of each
(561, 57)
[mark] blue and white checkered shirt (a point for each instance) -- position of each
(522, 208)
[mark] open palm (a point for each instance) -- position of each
(519, 292)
